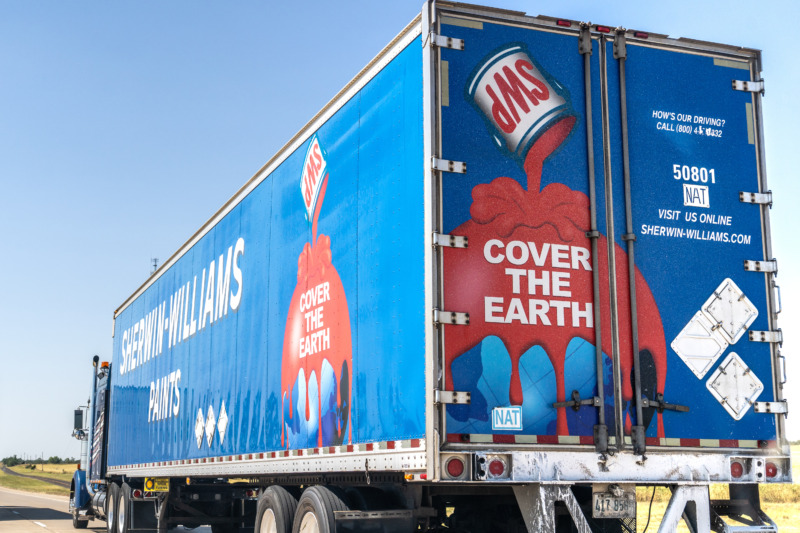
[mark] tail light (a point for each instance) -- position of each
(137, 493)
(492, 466)
(736, 469)
(455, 467)
(771, 470)
(497, 468)
(252, 493)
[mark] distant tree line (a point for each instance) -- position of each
(54, 460)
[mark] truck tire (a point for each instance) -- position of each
(123, 508)
(76, 523)
(275, 511)
(315, 510)
(111, 507)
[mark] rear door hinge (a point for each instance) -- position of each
(761, 266)
(748, 86)
(449, 317)
(447, 42)
(776, 408)
(767, 336)
(451, 241)
(764, 198)
(445, 165)
(451, 396)
(620, 49)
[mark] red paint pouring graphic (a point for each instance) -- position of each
(556, 215)
(319, 291)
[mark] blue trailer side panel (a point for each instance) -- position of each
(297, 321)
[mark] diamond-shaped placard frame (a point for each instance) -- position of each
(730, 310)
(698, 345)
(735, 386)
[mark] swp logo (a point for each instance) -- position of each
(507, 418)
(516, 97)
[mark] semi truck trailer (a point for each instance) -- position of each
(516, 268)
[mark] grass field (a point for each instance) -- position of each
(796, 463)
(60, 472)
(30, 485)
(785, 515)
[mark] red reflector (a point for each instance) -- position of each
(603, 29)
(497, 467)
(772, 470)
(564, 23)
(137, 493)
(423, 476)
(737, 469)
(455, 467)
(641, 35)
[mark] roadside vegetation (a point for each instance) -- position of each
(38, 463)
(53, 468)
(60, 472)
(11, 481)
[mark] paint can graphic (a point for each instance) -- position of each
(518, 99)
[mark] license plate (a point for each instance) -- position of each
(607, 505)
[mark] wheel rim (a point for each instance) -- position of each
(268, 524)
(121, 514)
(111, 515)
(309, 524)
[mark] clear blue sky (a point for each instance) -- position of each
(125, 125)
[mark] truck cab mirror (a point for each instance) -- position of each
(78, 419)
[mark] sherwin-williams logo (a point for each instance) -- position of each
(507, 418)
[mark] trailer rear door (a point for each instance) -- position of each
(701, 244)
(553, 343)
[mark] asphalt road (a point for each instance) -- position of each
(23, 512)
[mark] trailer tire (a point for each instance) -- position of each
(111, 507)
(315, 510)
(275, 511)
(123, 508)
